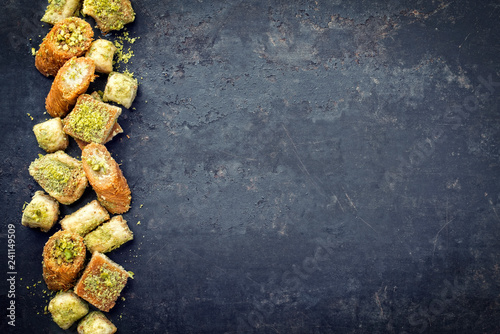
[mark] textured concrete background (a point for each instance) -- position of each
(296, 167)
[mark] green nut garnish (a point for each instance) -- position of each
(65, 249)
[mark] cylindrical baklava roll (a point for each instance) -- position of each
(68, 38)
(63, 259)
(106, 178)
(71, 81)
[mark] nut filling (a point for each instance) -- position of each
(65, 249)
(70, 35)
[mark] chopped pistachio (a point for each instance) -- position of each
(71, 35)
(56, 174)
(65, 249)
(88, 121)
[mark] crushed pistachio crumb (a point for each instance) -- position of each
(56, 174)
(65, 249)
(36, 212)
(128, 73)
(89, 121)
(121, 55)
(97, 165)
(107, 283)
(70, 35)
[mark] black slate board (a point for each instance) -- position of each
(296, 167)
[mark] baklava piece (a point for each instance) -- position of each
(50, 135)
(85, 219)
(109, 14)
(102, 52)
(102, 282)
(106, 178)
(58, 10)
(109, 236)
(60, 175)
(90, 120)
(117, 129)
(66, 308)
(121, 89)
(41, 212)
(68, 38)
(71, 81)
(63, 259)
(96, 323)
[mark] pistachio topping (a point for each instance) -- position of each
(89, 121)
(57, 175)
(107, 283)
(70, 35)
(36, 212)
(56, 5)
(97, 164)
(109, 14)
(65, 249)
(41, 212)
(109, 11)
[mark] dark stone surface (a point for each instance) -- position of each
(296, 167)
